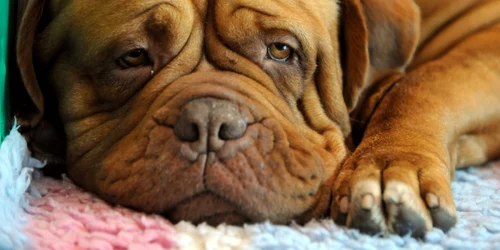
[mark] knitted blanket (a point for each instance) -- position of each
(55, 214)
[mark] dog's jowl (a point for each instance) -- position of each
(251, 110)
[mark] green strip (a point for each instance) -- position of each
(4, 43)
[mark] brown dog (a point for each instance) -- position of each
(235, 111)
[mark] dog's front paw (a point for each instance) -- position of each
(403, 193)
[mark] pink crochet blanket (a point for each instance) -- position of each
(69, 218)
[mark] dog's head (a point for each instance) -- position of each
(200, 110)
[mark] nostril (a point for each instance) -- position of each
(232, 130)
(193, 133)
(224, 132)
(186, 131)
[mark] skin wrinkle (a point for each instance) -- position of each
(94, 126)
(260, 160)
(125, 119)
(79, 157)
(173, 52)
(230, 52)
(241, 101)
(163, 205)
(241, 7)
(278, 193)
(261, 157)
(155, 6)
(297, 175)
(238, 201)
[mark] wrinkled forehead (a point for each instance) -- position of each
(101, 22)
(120, 11)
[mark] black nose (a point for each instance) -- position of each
(210, 122)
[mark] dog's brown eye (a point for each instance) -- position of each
(134, 58)
(279, 52)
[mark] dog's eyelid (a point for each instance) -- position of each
(281, 36)
(134, 58)
(117, 48)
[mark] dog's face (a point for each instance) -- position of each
(217, 111)
(204, 111)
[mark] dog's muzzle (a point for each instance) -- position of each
(212, 149)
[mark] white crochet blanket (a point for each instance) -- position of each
(476, 191)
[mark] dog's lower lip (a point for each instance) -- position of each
(206, 207)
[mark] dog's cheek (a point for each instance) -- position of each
(289, 82)
(144, 170)
(116, 85)
(73, 92)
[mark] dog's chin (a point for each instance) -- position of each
(207, 208)
(264, 175)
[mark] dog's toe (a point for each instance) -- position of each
(406, 213)
(366, 213)
(443, 215)
(436, 191)
(443, 219)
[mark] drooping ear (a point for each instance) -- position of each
(39, 119)
(379, 38)
(30, 14)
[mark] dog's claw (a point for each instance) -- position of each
(344, 205)
(367, 202)
(432, 200)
